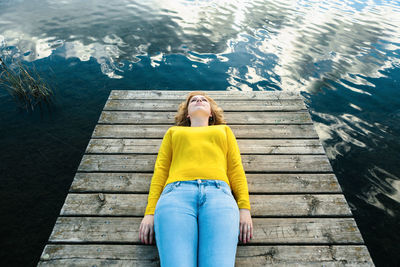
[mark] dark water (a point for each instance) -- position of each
(342, 56)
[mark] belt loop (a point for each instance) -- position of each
(217, 183)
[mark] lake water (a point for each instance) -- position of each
(343, 56)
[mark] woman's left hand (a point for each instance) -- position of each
(246, 226)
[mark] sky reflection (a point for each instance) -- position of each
(310, 41)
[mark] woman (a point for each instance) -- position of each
(195, 217)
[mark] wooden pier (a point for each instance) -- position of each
(299, 213)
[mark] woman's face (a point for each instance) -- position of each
(199, 106)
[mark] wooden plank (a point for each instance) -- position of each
(108, 204)
(147, 255)
(216, 95)
(226, 105)
(246, 146)
(167, 117)
(251, 163)
(266, 230)
(257, 182)
(249, 131)
(99, 255)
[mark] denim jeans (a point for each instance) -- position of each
(196, 223)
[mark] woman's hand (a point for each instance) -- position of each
(246, 226)
(146, 229)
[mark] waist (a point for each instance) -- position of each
(204, 182)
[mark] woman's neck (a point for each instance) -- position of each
(199, 122)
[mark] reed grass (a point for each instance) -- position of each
(26, 86)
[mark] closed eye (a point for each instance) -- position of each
(203, 99)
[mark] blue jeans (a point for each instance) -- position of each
(196, 223)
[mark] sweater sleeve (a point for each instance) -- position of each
(235, 172)
(161, 171)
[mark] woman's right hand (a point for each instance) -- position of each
(146, 229)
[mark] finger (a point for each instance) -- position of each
(252, 234)
(151, 236)
(245, 234)
(146, 233)
(245, 230)
(142, 234)
(242, 235)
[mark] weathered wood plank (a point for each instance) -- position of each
(167, 117)
(106, 204)
(259, 163)
(246, 146)
(240, 131)
(266, 230)
(99, 255)
(226, 105)
(257, 182)
(147, 255)
(216, 95)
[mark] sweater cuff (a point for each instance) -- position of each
(244, 205)
(149, 211)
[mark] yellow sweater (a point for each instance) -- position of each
(205, 152)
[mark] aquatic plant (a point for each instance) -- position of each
(26, 86)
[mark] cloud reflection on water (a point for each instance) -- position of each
(311, 42)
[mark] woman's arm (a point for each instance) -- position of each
(235, 172)
(160, 175)
(238, 181)
(161, 171)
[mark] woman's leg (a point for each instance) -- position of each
(175, 226)
(218, 227)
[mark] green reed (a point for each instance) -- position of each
(26, 86)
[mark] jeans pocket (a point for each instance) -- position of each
(226, 191)
(168, 189)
